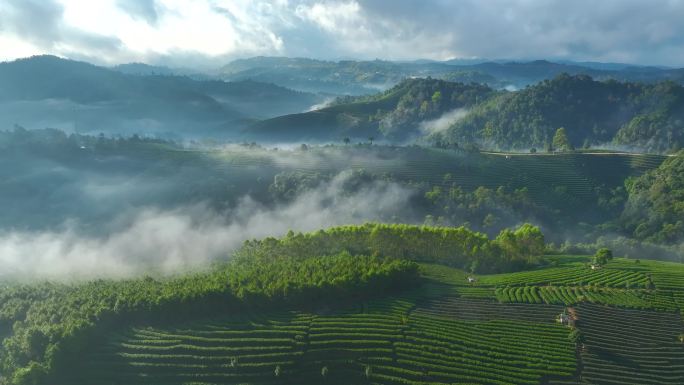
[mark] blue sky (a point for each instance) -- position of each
(208, 33)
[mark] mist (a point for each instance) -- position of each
(325, 103)
(155, 241)
(443, 122)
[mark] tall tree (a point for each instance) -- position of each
(561, 141)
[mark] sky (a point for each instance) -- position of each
(207, 33)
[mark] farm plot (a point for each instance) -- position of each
(630, 347)
(390, 341)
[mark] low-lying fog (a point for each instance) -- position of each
(70, 215)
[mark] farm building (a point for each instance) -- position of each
(566, 319)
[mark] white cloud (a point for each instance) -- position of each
(152, 240)
(13, 47)
(219, 30)
(443, 122)
(344, 18)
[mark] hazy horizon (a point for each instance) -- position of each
(208, 33)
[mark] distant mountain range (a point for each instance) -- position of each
(364, 77)
(476, 104)
(44, 91)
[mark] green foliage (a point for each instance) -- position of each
(394, 114)
(561, 142)
(602, 256)
(577, 337)
(629, 346)
(444, 324)
(661, 126)
(484, 208)
(655, 207)
(53, 321)
(446, 245)
(401, 339)
(303, 279)
(525, 241)
(650, 116)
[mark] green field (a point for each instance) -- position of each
(502, 329)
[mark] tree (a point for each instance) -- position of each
(576, 336)
(605, 252)
(602, 256)
(33, 374)
(525, 241)
(490, 220)
(346, 140)
(436, 97)
(371, 139)
(561, 141)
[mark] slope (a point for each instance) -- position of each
(49, 91)
(593, 112)
(445, 331)
(395, 114)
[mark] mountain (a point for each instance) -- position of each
(344, 77)
(642, 115)
(649, 116)
(366, 77)
(50, 91)
(396, 114)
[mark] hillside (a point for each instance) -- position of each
(395, 114)
(649, 117)
(46, 91)
(486, 191)
(623, 322)
(350, 302)
(48, 324)
(655, 209)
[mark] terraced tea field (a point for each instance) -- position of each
(630, 347)
(501, 329)
(579, 174)
(385, 342)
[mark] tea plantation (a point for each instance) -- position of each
(499, 329)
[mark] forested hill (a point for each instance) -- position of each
(655, 209)
(396, 114)
(647, 116)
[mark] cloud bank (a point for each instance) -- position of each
(211, 32)
(168, 241)
(443, 122)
